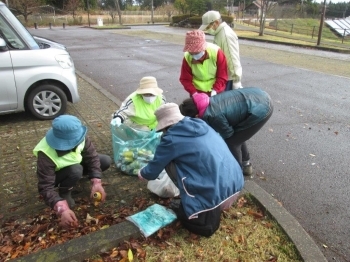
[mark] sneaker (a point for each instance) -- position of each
(247, 170)
(174, 203)
(67, 195)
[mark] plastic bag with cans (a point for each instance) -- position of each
(132, 148)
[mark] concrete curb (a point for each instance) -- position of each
(103, 240)
(86, 246)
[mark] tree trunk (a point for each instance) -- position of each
(118, 10)
(262, 20)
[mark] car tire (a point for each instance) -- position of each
(47, 101)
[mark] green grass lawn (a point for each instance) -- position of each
(307, 26)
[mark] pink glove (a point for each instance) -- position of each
(97, 187)
(201, 100)
(68, 218)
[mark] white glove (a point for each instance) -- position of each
(116, 121)
(213, 93)
(237, 85)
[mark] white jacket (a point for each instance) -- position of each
(227, 40)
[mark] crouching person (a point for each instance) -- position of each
(237, 115)
(200, 164)
(63, 156)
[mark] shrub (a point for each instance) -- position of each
(196, 21)
(227, 18)
(179, 18)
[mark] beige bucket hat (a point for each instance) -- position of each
(167, 115)
(149, 85)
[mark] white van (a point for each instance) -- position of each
(36, 75)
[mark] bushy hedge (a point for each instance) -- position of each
(178, 18)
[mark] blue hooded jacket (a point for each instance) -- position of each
(208, 174)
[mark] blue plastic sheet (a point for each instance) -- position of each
(152, 219)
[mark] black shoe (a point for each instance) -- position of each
(67, 195)
(247, 170)
(174, 203)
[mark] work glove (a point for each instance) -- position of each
(68, 218)
(140, 176)
(237, 85)
(116, 121)
(198, 96)
(213, 93)
(97, 187)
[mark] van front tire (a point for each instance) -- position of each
(47, 101)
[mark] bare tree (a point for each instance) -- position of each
(113, 9)
(72, 6)
(24, 7)
(117, 6)
(167, 9)
(112, 13)
(266, 6)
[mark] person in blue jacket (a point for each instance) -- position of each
(199, 162)
(236, 115)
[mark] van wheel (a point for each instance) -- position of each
(47, 101)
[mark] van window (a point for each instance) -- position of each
(10, 36)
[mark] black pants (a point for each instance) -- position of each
(205, 225)
(67, 177)
(236, 143)
(207, 222)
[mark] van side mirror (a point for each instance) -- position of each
(3, 45)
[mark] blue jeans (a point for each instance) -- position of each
(229, 85)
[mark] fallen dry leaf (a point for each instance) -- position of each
(257, 215)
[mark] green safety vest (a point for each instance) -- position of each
(68, 159)
(204, 74)
(144, 112)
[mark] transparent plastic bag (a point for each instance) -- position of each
(163, 186)
(132, 148)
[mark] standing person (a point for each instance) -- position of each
(201, 166)
(204, 67)
(236, 115)
(64, 155)
(138, 108)
(227, 40)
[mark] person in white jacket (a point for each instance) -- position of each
(227, 40)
